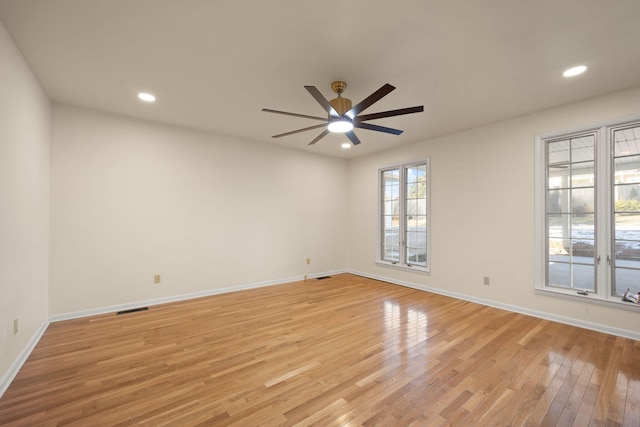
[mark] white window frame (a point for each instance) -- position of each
(403, 264)
(603, 294)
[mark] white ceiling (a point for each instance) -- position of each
(213, 65)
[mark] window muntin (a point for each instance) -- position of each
(404, 215)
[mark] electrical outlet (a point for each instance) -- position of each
(486, 280)
(156, 278)
(308, 261)
(305, 277)
(15, 326)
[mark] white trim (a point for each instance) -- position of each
(15, 367)
(416, 268)
(625, 333)
(165, 300)
(539, 226)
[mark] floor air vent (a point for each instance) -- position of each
(323, 277)
(133, 310)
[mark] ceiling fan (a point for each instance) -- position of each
(342, 117)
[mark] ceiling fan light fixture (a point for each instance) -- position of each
(341, 125)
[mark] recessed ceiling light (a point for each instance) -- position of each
(345, 146)
(146, 97)
(574, 71)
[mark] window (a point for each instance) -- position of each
(588, 211)
(404, 219)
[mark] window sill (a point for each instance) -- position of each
(415, 268)
(591, 298)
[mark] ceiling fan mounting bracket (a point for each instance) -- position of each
(338, 87)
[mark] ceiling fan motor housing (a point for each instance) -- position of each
(341, 105)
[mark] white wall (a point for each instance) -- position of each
(482, 210)
(131, 199)
(24, 205)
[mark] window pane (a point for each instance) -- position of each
(582, 148)
(558, 152)
(582, 200)
(583, 226)
(391, 238)
(416, 239)
(627, 198)
(559, 274)
(391, 253)
(583, 251)
(582, 174)
(417, 256)
(412, 207)
(627, 279)
(559, 176)
(627, 141)
(391, 208)
(627, 241)
(391, 192)
(559, 225)
(422, 207)
(627, 227)
(559, 250)
(627, 169)
(558, 201)
(584, 277)
(391, 176)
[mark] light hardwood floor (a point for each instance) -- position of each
(343, 351)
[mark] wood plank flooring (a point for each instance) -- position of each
(344, 351)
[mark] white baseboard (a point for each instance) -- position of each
(10, 375)
(625, 333)
(183, 297)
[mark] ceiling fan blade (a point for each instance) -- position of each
(369, 126)
(322, 101)
(389, 113)
(319, 137)
(352, 136)
(268, 110)
(368, 101)
(299, 130)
